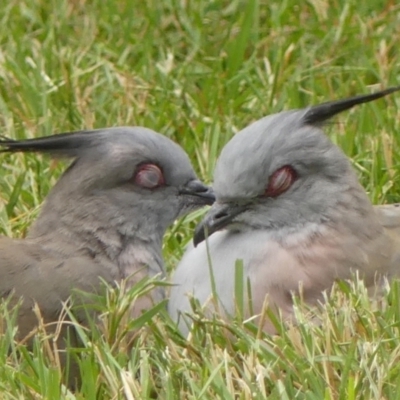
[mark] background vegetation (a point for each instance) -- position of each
(199, 71)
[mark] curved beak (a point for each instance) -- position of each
(202, 194)
(218, 217)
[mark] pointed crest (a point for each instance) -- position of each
(322, 112)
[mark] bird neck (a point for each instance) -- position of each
(73, 231)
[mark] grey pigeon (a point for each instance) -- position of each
(289, 205)
(105, 217)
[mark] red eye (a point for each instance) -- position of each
(280, 181)
(149, 176)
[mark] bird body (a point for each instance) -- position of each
(289, 205)
(275, 263)
(104, 219)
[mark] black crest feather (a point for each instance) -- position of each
(320, 113)
(64, 144)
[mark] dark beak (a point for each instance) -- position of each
(219, 217)
(204, 195)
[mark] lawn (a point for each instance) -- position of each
(199, 71)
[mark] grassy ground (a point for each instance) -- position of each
(198, 71)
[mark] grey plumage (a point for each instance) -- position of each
(289, 204)
(105, 217)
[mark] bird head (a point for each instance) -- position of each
(129, 177)
(283, 172)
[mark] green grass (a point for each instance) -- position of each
(199, 71)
